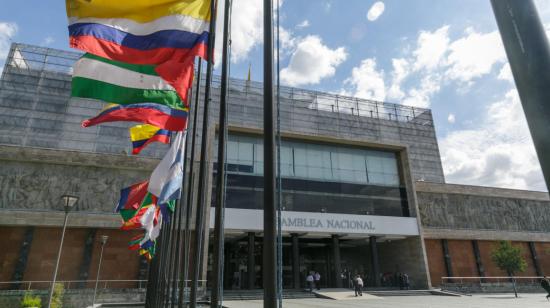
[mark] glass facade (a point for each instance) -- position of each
(318, 162)
(325, 178)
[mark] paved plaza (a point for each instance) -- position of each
(433, 301)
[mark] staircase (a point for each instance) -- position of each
(240, 295)
(386, 293)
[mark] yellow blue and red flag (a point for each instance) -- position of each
(142, 135)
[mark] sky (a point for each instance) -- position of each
(443, 55)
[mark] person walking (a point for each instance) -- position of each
(317, 278)
(545, 284)
(310, 281)
(358, 285)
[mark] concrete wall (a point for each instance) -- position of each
(461, 211)
(405, 256)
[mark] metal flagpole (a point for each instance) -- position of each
(203, 169)
(269, 266)
(190, 189)
(217, 284)
(528, 52)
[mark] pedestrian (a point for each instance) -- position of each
(406, 282)
(309, 280)
(545, 284)
(358, 284)
(317, 278)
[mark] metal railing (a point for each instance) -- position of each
(84, 284)
(494, 280)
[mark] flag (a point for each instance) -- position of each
(149, 113)
(122, 83)
(165, 181)
(131, 216)
(132, 197)
(142, 135)
(163, 32)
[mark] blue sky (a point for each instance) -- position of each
(443, 55)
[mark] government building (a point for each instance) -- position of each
(363, 190)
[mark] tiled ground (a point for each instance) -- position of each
(475, 301)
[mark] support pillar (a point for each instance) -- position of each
(251, 268)
(477, 255)
(24, 251)
(87, 257)
(375, 265)
(337, 262)
(447, 258)
(535, 257)
(295, 261)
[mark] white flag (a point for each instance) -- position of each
(166, 179)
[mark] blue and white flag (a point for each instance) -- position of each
(166, 179)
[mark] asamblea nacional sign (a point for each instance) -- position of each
(252, 220)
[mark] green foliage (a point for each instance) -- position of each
(57, 298)
(509, 258)
(30, 300)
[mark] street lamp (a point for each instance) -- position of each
(68, 203)
(103, 242)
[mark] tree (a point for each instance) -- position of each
(509, 259)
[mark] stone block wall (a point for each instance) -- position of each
(405, 256)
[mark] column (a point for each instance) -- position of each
(87, 257)
(251, 268)
(477, 255)
(337, 263)
(535, 259)
(21, 264)
(447, 259)
(375, 266)
(295, 261)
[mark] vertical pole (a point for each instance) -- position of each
(251, 266)
(98, 271)
(203, 169)
(374, 259)
(528, 52)
(337, 261)
(269, 266)
(295, 261)
(217, 283)
(58, 258)
(190, 190)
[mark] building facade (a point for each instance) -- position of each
(363, 189)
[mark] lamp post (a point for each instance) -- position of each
(68, 203)
(103, 242)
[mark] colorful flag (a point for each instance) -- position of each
(166, 179)
(131, 216)
(122, 83)
(163, 32)
(149, 113)
(142, 135)
(132, 197)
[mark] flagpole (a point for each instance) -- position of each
(203, 169)
(217, 283)
(190, 189)
(269, 266)
(528, 51)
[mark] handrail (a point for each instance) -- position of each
(80, 284)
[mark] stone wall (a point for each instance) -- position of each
(405, 256)
(479, 208)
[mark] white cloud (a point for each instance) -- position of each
(366, 81)
(506, 73)
(375, 11)
(420, 96)
(496, 152)
(451, 118)
(7, 31)
(312, 61)
(431, 48)
(474, 55)
(303, 24)
(401, 69)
